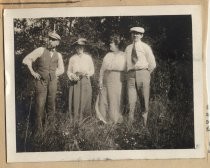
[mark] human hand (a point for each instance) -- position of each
(57, 74)
(36, 75)
(83, 74)
(87, 75)
(100, 85)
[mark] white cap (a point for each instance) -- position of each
(137, 29)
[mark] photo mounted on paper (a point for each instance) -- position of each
(104, 82)
(208, 82)
(208, 129)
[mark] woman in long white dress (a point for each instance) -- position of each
(109, 104)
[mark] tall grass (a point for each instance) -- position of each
(91, 134)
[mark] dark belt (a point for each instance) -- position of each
(114, 71)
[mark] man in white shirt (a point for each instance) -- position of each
(49, 65)
(140, 63)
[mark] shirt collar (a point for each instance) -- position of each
(51, 50)
(138, 42)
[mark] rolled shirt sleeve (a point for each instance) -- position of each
(60, 68)
(151, 59)
(31, 57)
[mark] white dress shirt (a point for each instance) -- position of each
(146, 59)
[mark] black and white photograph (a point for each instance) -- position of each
(104, 83)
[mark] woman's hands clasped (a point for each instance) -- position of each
(74, 77)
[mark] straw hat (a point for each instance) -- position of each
(54, 35)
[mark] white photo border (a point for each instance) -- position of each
(194, 10)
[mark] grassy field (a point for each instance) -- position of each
(163, 132)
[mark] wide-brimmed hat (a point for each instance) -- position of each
(54, 35)
(80, 41)
(137, 29)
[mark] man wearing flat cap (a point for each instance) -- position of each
(140, 64)
(49, 65)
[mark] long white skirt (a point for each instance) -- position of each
(109, 103)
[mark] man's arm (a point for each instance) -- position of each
(151, 59)
(60, 68)
(30, 58)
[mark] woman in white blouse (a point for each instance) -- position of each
(80, 69)
(109, 101)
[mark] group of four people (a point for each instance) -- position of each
(132, 66)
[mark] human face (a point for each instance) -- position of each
(79, 49)
(113, 46)
(53, 42)
(136, 36)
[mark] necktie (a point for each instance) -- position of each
(134, 57)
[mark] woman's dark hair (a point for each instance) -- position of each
(118, 40)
